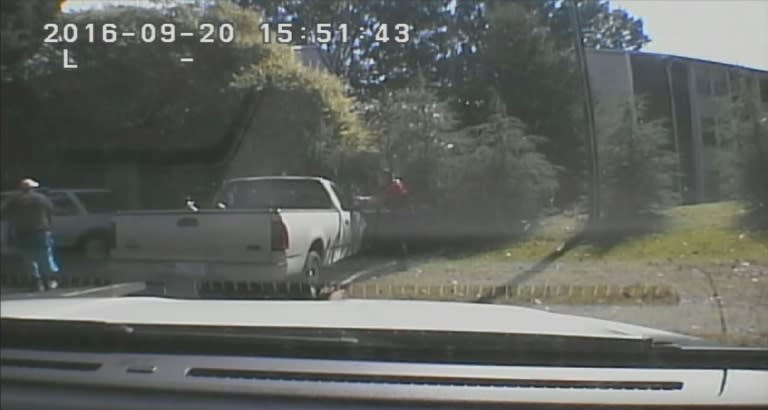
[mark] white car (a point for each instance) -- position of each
(82, 220)
(260, 229)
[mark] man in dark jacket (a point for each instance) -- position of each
(30, 215)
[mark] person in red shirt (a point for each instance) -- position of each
(396, 194)
(395, 197)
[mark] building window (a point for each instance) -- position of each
(708, 136)
(721, 82)
(702, 82)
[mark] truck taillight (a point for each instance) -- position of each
(279, 235)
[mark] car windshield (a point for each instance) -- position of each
(600, 158)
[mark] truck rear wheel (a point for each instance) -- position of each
(312, 272)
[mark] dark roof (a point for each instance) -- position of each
(676, 57)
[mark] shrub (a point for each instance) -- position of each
(742, 154)
(637, 167)
(494, 169)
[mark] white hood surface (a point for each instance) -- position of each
(350, 313)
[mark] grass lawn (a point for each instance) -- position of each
(711, 271)
(707, 234)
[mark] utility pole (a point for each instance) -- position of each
(591, 137)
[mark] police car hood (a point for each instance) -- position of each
(350, 313)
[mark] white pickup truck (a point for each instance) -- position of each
(260, 229)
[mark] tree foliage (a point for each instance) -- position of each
(410, 124)
(742, 149)
(21, 31)
(362, 59)
(153, 96)
(472, 49)
(604, 27)
(443, 33)
(518, 60)
(636, 163)
(465, 61)
(495, 168)
(733, 129)
(127, 96)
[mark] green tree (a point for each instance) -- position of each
(128, 97)
(127, 94)
(636, 164)
(742, 151)
(410, 124)
(604, 27)
(494, 169)
(21, 31)
(516, 59)
(472, 48)
(363, 60)
(733, 130)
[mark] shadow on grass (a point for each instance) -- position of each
(608, 233)
(450, 237)
(755, 220)
(575, 240)
(603, 236)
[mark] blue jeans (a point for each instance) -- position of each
(36, 250)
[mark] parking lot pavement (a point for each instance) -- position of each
(114, 290)
(81, 278)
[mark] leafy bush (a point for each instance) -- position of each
(494, 170)
(410, 124)
(742, 155)
(754, 157)
(733, 130)
(134, 97)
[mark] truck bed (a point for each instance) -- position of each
(208, 235)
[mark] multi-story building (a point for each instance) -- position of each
(687, 94)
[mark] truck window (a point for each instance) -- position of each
(62, 204)
(346, 204)
(97, 202)
(276, 193)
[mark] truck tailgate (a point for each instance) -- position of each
(210, 236)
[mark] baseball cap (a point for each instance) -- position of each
(28, 183)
